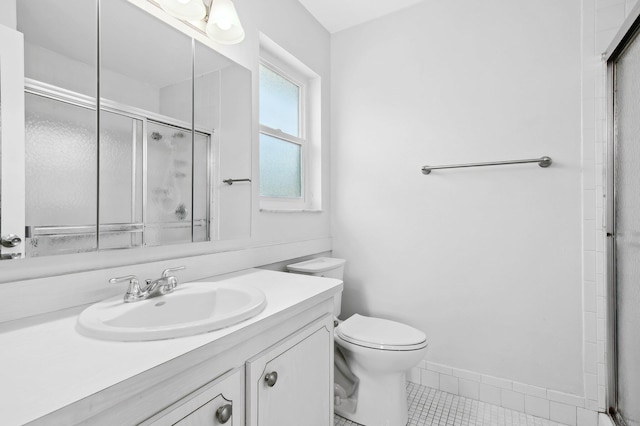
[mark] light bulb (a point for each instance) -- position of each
(224, 16)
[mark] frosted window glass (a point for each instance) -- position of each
(279, 102)
(280, 168)
(627, 182)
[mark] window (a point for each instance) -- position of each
(289, 96)
(282, 142)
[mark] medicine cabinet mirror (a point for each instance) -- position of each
(130, 128)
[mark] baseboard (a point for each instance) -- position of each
(540, 402)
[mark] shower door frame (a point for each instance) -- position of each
(45, 90)
(627, 33)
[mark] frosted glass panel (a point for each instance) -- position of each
(60, 149)
(169, 184)
(279, 102)
(201, 197)
(280, 168)
(627, 182)
(121, 167)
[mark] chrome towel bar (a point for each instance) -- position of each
(542, 162)
(230, 181)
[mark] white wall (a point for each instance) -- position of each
(486, 261)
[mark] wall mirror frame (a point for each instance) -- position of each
(153, 120)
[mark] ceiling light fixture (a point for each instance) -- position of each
(224, 24)
(188, 10)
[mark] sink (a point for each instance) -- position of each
(191, 309)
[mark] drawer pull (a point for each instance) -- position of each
(271, 378)
(223, 414)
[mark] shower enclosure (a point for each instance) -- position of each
(154, 175)
(623, 230)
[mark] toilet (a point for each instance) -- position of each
(371, 359)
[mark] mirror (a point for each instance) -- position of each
(143, 166)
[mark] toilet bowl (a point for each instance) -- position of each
(372, 359)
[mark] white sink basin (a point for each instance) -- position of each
(191, 309)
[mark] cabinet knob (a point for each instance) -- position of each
(271, 378)
(223, 414)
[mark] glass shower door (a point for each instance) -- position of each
(177, 185)
(626, 260)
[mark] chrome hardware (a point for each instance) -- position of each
(230, 181)
(223, 414)
(170, 282)
(134, 292)
(10, 240)
(167, 271)
(163, 285)
(271, 378)
(542, 162)
(10, 256)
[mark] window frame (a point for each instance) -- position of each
(298, 79)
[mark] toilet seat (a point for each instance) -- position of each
(380, 334)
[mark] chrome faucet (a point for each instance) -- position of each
(161, 286)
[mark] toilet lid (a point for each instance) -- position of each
(380, 333)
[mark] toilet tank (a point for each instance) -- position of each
(329, 267)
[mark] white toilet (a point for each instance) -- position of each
(374, 355)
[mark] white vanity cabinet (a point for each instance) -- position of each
(185, 381)
(290, 383)
(218, 403)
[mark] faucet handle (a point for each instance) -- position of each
(167, 271)
(130, 278)
(134, 292)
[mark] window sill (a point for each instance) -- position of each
(289, 211)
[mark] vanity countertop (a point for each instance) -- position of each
(49, 365)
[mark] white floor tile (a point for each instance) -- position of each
(431, 407)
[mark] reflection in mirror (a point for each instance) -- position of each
(136, 168)
(60, 125)
(148, 79)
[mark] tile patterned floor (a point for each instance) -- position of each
(430, 407)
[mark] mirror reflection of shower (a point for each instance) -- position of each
(154, 176)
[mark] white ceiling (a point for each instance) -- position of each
(337, 15)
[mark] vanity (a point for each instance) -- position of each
(275, 368)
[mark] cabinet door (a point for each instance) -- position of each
(291, 385)
(12, 179)
(220, 403)
(216, 412)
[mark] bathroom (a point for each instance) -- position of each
(503, 268)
